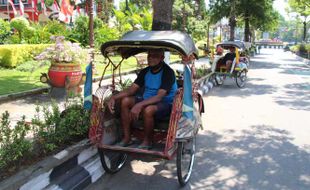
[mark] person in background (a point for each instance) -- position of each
(229, 58)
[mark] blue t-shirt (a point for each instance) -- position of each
(152, 82)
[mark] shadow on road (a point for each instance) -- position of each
(296, 96)
(263, 64)
(229, 88)
(260, 158)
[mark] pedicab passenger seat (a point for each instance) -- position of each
(161, 124)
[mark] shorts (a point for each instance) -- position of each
(163, 108)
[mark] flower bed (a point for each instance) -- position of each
(49, 131)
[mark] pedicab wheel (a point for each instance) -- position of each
(185, 160)
(112, 161)
(241, 78)
(219, 79)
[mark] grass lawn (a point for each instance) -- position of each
(13, 81)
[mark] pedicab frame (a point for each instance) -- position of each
(239, 67)
(105, 127)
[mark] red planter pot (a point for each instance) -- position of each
(57, 74)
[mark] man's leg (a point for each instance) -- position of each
(228, 66)
(126, 104)
(148, 117)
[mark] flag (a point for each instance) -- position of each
(55, 6)
(43, 7)
(189, 121)
(187, 108)
(34, 6)
(78, 9)
(13, 7)
(21, 8)
(88, 88)
(66, 11)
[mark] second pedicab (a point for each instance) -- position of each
(174, 135)
(238, 68)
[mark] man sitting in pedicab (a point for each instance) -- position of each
(159, 86)
(229, 58)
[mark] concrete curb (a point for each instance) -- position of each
(77, 166)
(8, 97)
(304, 60)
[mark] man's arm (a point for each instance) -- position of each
(135, 111)
(127, 92)
(154, 99)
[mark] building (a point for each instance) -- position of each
(7, 13)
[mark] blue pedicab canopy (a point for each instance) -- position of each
(139, 41)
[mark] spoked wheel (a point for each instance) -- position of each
(185, 160)
(241, 78)
(112, 161)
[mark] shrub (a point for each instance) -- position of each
(13, 142)
(80, 31)
(58, 128)
(56, 28)
(308, 47)
(105, 34)
(21, 25)
(32, 65)
(294, 48)
(13, 55)
(302, 48)
(5, 30)
(50, 128)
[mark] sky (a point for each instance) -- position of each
(280, 5)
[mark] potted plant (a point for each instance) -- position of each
(65, 57)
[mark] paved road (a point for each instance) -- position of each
(256, 138)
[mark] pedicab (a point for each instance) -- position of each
(239, 66)
(174, 135)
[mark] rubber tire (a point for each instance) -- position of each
(183, 179)
(240, 83)
(219, 80)
(117, 165)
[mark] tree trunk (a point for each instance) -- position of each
(91, 23)
(232, 24)
(246, 29)
(305, 30)
(162, 14)
(208, 36)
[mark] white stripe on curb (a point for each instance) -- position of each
(37, 183)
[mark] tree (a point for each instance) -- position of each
(222, 8)
(162, 14)
(107, 7)
(191, 17)
(256, 11)
(302, 7)
(249, 11)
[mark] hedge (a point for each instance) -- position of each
(16, 54)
